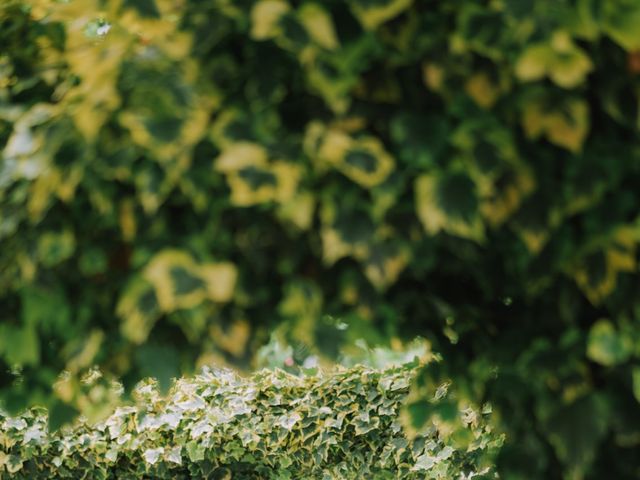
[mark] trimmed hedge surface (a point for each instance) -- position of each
(179, 178)
(343, 425)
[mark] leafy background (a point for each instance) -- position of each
(181, 179)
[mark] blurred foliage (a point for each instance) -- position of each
(178, 178)
(278, 426)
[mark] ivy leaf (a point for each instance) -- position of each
(175, 278)
(364, 159)
(576, 429)
(607, 346)
(319, 25)
(621, 23)
(55, 247)
(565, 125)
(597, 273)
(449, 202)
(559, 59)
(265, 17)
(139, 309)
(373, 13)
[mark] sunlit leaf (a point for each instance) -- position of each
(374, 13)
(265, 16)
(241, 156)
(319, 25)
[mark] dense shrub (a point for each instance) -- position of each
(342, 425)
(178, 178)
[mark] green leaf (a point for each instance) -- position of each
(55, 247)
(419, 413)
(385, 262)
(559, 59)
(635, 378)
(195, 450)
(575, 431)
(60, 414)
(373, 13)
(175, 278)
(21, 345)
(159, 361)
(319, 25)
(449, 202)
(564, 124)
(622, 21)
(607, 346)
(265, 17)
(363, 159)
(46, 309)
(139, 310)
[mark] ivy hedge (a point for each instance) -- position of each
(274, 425)
(179, 179)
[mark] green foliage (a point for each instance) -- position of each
(342, 425)
(179, 178)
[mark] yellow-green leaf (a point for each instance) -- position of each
(55, 247)
(449, 203)
(385, 262)
(364, 159)
(220, 280)
(564, 125)
(240, 156)
(265, 16)
(597, 273)
(622, 22)
(560, 59)
(319, 25)
(606, 345)
(298, 210)
(175, 277)
(138, 309)
(373, 14)
(482, 89)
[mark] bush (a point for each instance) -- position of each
(179, 178)
(275, 425)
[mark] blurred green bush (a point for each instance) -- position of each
(178, 178)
